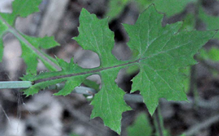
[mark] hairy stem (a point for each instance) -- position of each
(96, 70)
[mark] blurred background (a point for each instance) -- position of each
(46, 115)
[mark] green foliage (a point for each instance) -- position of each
(19, 10)
(210, 21)
(186, 81)
(30, 57)
(188, 22)
(117, 6)
(140, 127)
(162, 51)
(30, 45)
(171, 7)
(212, 54)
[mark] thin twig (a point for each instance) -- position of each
(202, 125)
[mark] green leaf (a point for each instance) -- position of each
(70, 84)
(116, 7)
(30, 45)
(30, 56)
(212, 54)
(143, 4)
(21, 8)
(189, 22)
(109, 103)
(94, 35)
(162, 50)
(140, 127)
(67, 68)
(101, 41)
(42, 42)
(164, 6)
(171, 7)
(210, 21)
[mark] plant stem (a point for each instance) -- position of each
(158, 122)
(15, 84)
(202, 125)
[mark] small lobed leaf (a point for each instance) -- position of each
(109, 103)
(42, 42)
(30, 45)
(96, 36)
(21, 8)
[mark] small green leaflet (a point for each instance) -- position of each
(30, 45)
(161, 52)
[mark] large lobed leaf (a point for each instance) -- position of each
(162, 51)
